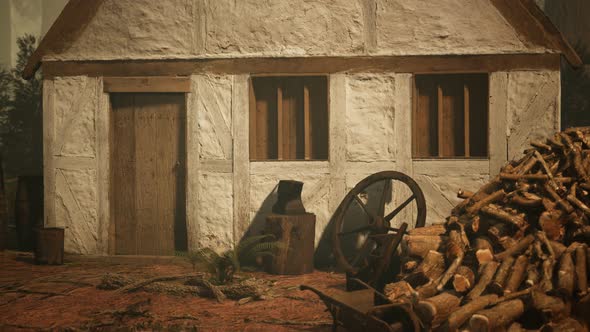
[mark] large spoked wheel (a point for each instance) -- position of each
(372, 208)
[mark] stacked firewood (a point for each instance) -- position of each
(513, 255)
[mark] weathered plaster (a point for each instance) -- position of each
(215, 210)
(214, 116)
(533, 108)
(154, 29)
(370, 118)
(76, 209)
(443, 27)
(74, 118)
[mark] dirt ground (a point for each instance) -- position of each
(65, 298)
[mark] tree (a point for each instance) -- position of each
(21, 110)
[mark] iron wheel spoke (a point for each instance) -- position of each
(363, 206)
(399, 208)
(382, 202)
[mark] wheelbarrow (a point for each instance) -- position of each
(368, 310)
(365, 244)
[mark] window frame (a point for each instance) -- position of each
(466, 155)
(307, 119)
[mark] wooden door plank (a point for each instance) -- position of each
(167, 156)
(146, 188)
(123, 174)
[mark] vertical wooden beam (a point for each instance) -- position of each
(369, 11)
(280, 122)
(193, 163)
(404, 87)
(253, 120)
(306, 123)
(466, 118)
(439, 100)
(103, 166)
(498, 108)
(48, 149)
(413, 119)
(337, 141)
(241, 166)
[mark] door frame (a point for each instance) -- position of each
(104, 142)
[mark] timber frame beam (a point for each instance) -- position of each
(308, 65)
(147, 84)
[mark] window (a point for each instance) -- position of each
(289, 118)
(450, 116)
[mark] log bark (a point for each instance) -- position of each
(463, 279)
(482, 242)
(517, 274)
(464, 194)
(420, 245)
(400, 291)
(547, 275)
(431, 268)
(456, 253)
(557, 248)
(565, 325)
(565, 275)
(497, 231)
(433, 265)
(552, 225)
(532, 276)
(497, 286)
(461, 315)
(551, 307)
(496, 317)
(435, 310)
(432, 230)
(494, 197)
(485, 278)
(520, 247)
(499, 214)
(581, 270)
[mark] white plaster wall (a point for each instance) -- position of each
(443, 27)
(533, 108)
(374, 112)
(163, 29)
(73, 179)
(370, 118)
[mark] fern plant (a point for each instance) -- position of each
(222, 267)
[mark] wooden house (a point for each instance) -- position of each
(169, 123)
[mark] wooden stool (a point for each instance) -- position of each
(296, 233)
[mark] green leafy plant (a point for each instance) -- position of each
(223, 267)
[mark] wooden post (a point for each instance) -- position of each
(466, 118)
(306, 123)
(280, 122)
(440, 120)
(253, 120)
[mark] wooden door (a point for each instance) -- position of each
(147, 173)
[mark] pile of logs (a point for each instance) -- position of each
(514, 255)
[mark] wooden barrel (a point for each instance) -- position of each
(49, 248)
(28, 209)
